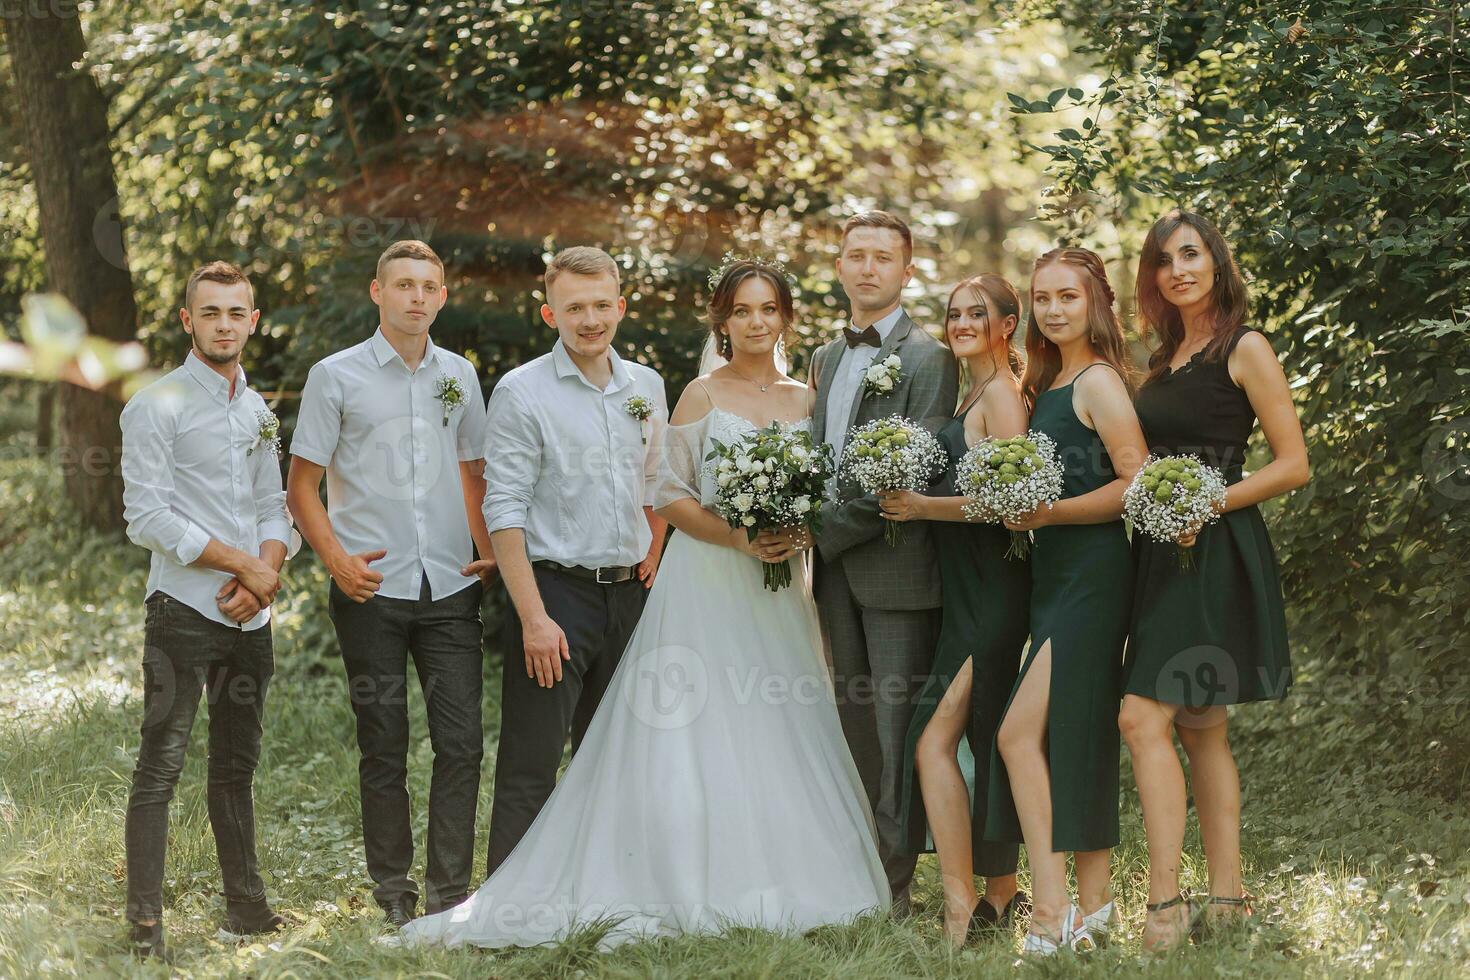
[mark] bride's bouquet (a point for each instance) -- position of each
(1006, 479)
(1172, 496)
(771, 479)
(892, 454)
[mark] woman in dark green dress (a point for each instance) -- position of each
(1215, 636)
(984, 623)
(1054, 775)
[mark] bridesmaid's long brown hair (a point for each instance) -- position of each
(1043, 359)
(1159, 320)
(1000, 300)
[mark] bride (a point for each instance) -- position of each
(714, 787)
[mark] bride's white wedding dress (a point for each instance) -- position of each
(714, 787)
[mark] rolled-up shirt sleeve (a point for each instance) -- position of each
(512, 460)
(272, 523)
(319, 420)
(148, 484)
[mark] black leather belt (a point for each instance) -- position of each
(607, 575)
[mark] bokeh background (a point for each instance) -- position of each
(1325, 137)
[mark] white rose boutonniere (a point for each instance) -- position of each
(883, 376)
(449, 392)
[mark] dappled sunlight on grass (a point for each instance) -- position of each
(1354, 867)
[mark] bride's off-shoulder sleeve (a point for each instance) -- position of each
(680, 458)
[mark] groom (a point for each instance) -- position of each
(569, 464)
(879, 604)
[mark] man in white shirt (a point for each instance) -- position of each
(570, 469)
(202, 492)
(397, 426)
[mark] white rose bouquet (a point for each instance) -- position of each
(892, 454)
(1174, 496)
(771, 479)
(1005, 479)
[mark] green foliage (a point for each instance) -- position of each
(300, 138)
(1334, 160)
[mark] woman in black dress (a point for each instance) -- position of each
(1215, 636)
(984, 626)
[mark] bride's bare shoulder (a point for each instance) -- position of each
(694, 404)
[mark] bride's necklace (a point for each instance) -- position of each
(762, 387)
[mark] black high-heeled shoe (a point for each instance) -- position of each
(1196, 913)
(1201, 928)
(988, 923)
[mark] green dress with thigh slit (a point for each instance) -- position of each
(986, 596)
(1081, 593)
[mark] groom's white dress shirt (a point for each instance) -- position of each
(566, 462)
(847, 377)
(392, 462)
(194, 468)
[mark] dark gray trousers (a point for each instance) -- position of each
(535, 721)
(443, 637)
(880, 661)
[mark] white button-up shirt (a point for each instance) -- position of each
(565, 461)
(393, 461)
(847, 376)
(194, 467)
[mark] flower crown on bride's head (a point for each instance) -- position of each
(733, 258)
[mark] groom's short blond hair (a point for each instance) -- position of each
(582, 260)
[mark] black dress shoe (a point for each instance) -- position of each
(146, 942)
(399, 915)
(253, 919)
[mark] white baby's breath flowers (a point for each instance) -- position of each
(267, 433)
(1174, 496)
(892, 454)
(1006, 479)
(449, 392)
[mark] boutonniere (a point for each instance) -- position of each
(268, 433)
(641, 409)
(450, 392)
(882, 377)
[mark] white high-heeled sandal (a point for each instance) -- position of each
(1074, 936)
(1101, 922)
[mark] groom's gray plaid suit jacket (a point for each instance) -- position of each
(906, 575)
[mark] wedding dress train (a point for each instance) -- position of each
(714, 787)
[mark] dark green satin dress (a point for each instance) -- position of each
(1215, 635)
(986, 596)
(1081, 596)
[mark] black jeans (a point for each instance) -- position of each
(535, 721)
(443, 637)
(185, 654)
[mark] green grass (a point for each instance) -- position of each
(1359, 868)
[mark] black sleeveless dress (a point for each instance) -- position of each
(1215, 635)
(986, 597)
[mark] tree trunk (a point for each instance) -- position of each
(67, 141)
(45, 417)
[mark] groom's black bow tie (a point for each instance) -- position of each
(856, 337)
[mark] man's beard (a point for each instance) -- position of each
(220, 359)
